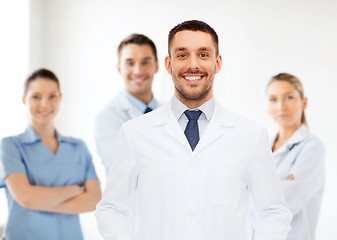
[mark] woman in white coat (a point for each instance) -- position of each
(299, 156)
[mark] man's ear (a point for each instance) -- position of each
(119, 68)
(168, 65)
(218, 63)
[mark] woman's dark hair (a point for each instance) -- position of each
(40, 73)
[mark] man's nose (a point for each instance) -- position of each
(194, 63)
(138, 69)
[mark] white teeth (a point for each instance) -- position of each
(192, 78)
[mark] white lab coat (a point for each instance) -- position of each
(303, 156)
(185, 195)
(107, 123)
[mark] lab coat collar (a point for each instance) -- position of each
(125, 104)
(220, 121)
(221, 118)
(122, 101)
(298, 136)
(138, 103)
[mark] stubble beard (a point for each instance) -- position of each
(192, 95)
(141, 90)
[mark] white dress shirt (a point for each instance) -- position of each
(207, 109)
(192, 195)
(303, 156)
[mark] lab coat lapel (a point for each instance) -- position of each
(133, 111)
(166, 119)
(128, 107)
(173, 129)
(298, 136)
(216, 127)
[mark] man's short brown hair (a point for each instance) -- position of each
(138, 39)
(194, 25)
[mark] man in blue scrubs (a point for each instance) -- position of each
(137, 64)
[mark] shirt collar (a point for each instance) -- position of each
(178, 108)
(61, 138)
(139, 104)
(31, 136)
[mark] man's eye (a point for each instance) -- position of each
(272, 99)
(129, 64)
(289, 97)
(204, 55)
(52, 96)
(145, 63)
(35, 97)
(181, 55)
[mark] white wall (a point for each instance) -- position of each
(14, 28)
(78, 40)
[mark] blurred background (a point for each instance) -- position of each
(78, 40)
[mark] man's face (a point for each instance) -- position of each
(137, 65)
(192, 63)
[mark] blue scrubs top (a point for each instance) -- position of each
(72, 164)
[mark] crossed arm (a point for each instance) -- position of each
(72, 199)
(307, 176)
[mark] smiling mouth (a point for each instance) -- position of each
(139, 79)
(192, 78)
(283, 116)
(44, 114)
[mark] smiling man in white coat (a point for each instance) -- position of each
(137, 64)
(192, 165)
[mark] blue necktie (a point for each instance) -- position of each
(148, 109)
(192, 129)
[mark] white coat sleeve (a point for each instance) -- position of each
(308, 171)
(113, 212)
(272, 213)
(107, 125)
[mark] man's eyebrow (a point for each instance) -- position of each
(204, 49)
(184, 49)
(180, 49)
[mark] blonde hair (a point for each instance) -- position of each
(295, 82)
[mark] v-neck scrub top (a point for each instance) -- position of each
(72, 164)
